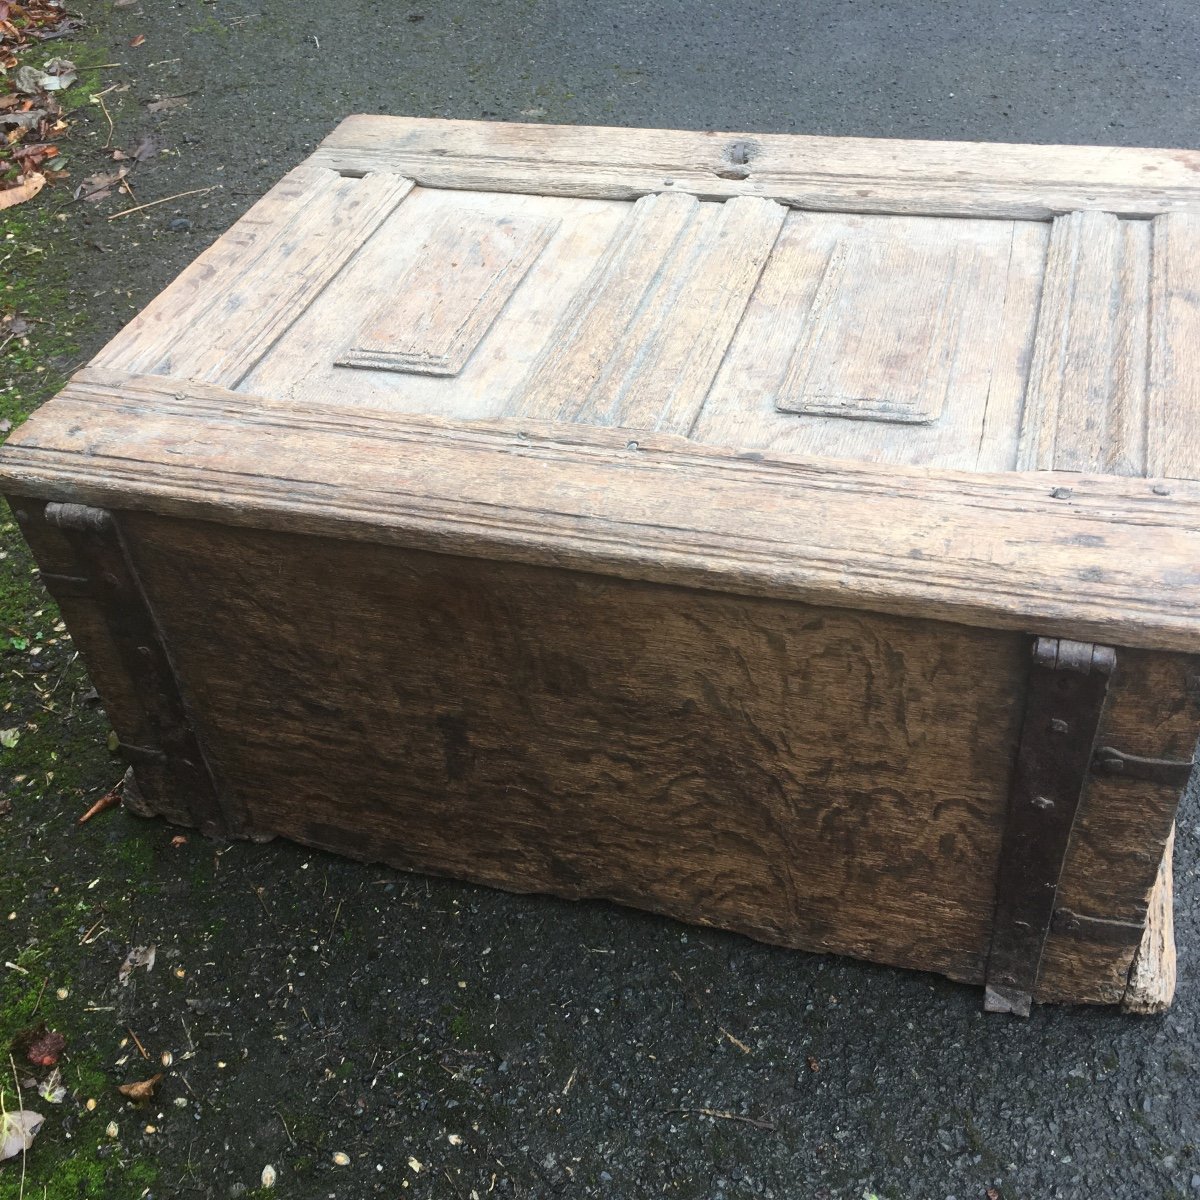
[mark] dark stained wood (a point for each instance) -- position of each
(815, 778)
(85, 569)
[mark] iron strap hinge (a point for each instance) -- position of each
(1068, 686)
(1171, 772)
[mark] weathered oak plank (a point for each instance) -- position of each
(1091, 558)
(834, 174)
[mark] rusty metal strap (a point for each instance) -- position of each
(1068, 686)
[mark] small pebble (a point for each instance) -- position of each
(340, 1159)
(179, 225)
(91, 1105)
(181, 1102)
(151, 1129)
(268, 1176)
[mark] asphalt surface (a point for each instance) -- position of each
(356, 1011)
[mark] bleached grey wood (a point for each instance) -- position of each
(872, 175)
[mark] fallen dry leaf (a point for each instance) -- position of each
(166, 104)
(142, 1090)
(100, 186)
(139, 956)
(17, 1131)
(23, 191)
(108, 800)
(137, 41)
(51, 1088)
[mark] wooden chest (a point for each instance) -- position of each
(795, 535)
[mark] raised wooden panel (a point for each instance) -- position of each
(448, 296)
(302, 366)
(896, 319)
(885, 331)
(1086, 402)
(223, 314)
(1174, 427)
(641, 341)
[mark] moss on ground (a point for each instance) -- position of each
(54, 746)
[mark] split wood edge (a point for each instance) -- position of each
(1152, 976)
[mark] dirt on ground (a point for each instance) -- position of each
(326, 1029)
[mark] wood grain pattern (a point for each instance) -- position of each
(1090, 558)
(1174, 429)
(464, 273)
(1152, 977)
(885, 330)
(1122, 827)
(640, 342)
(820, 173)
(811, 777)
(1086, 403)
(301, 364)
(226, 310)
(985, 378)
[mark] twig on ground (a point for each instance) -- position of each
(138, 1043)
(84, 940)
(286, 1130)
(20, 1105)
(723, 1116)
(99, 98)
(165, 200)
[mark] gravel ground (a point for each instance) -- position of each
(447, 1041)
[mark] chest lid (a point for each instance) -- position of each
(804, 329)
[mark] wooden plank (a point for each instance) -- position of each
(978, 427)
(592, 327)
(815, 778)
(640, 343)
(224, 312)
(886, 329)
(821, 173)
(1069, 555)
(1086, 403)
(1174, 425)
(463, 275)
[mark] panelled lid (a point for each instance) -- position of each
(873, 316)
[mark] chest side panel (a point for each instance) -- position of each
(809, 776)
